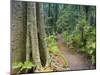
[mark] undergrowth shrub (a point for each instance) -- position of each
(85, 42)
(51, 43)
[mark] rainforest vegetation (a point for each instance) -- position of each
(47, 37)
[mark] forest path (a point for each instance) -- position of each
(76, 61)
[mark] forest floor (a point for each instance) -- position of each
(74, 59)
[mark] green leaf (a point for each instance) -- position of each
(93, 45)
(28, 65)
(17, 65)
(90, 52)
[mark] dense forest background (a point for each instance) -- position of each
(41, 31)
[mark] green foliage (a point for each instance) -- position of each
(67, 19)
(76, 23)
(90, 37)
(51, 42)
(26, 65)
(62, 22)
(83, 37)
(17, 65)
(72, 39)
(91, 44)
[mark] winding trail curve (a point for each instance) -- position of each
(76, 61)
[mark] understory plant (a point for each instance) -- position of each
(23, 66)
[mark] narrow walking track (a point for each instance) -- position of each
(75, 61)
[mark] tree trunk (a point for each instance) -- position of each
(28, 34)
(42, 35)
(18, 34)
(32, 23)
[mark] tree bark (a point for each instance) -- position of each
(18, 34)
(44, 54)
(28, 34)
(34, 34)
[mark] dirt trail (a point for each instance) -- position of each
(76, 61)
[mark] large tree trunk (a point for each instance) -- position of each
(18, 34)
(42, 35)
(28, 34)
(32, 26)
